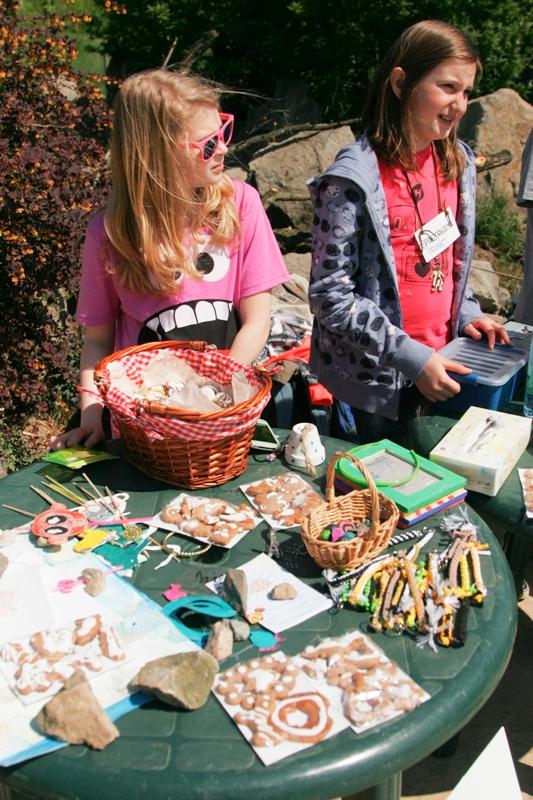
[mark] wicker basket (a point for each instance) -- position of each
(191, 461)
(356, 506)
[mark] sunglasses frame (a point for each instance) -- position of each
(219, 136)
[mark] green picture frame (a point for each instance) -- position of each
(409, 479)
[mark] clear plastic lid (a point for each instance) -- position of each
(492, 367)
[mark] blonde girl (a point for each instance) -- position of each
(181, 251)
(393, 237)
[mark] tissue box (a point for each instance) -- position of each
(484, 446)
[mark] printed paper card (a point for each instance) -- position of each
(207, 519)
(263, 575)
(276, 708)
(359, 678)
(36, 667)
(139, 630)
(283, 500)
(526, 479)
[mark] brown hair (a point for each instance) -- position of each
(153, 208)
(386, 117)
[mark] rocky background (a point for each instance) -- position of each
(495, 126)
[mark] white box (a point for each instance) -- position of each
(484, 446)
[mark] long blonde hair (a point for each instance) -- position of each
(153, 210)
(386, 117)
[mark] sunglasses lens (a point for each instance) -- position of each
(210, 148)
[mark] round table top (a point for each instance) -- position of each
(163, 752)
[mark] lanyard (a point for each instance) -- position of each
(412, 192)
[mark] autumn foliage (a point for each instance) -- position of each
(53, 138)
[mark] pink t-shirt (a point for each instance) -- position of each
(204, 309)
(426, 314)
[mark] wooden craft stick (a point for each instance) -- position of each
(91, 484)
(86, 491)
(64, 492)
(19, 510)
(112, 499)
(76, 497)
(43, 495)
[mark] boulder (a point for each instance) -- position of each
(281, 172)
(492, 123)
(74, 715)
(183, 680)
(298, 264)
(484, 282)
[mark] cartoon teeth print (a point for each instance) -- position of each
(212, 321)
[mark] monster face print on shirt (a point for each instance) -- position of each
(210, 320)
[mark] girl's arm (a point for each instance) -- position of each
(254, 315)
(98, 342)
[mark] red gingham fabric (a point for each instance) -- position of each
(211, 364)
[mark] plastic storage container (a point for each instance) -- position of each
(491, 383)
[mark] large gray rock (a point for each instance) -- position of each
(496, 122)
(298, 264)
(281, 172)
(183, 680)
(484, 282)
(74, 715)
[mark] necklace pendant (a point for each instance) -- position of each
(437, 278)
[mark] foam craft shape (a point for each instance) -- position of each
(209, 606)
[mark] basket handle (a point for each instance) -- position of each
(330, 488)
(198, 345)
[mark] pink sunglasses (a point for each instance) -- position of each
(209, 144)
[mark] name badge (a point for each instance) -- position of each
(437, 235)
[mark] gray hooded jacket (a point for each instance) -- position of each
(359, 350)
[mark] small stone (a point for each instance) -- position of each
(325, 535)
(4, 561)
(240, 628)
(183, 680)
(235, 589)
(283, 591)
(95, 582)
(75, 716)
(220, 642)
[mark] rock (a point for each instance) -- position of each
(483, 281)
(492, 123)
(283, 591)
(220, 642)
(235, 589)
(74, 715)
(94, 581)
(240, 628)
(4, 561)
(281, 172)
(298, 264)
(183, 680)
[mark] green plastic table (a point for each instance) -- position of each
(505, 511)
(163, 753)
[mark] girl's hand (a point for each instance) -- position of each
(492, 330)
(90, 433)
(435, 383)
